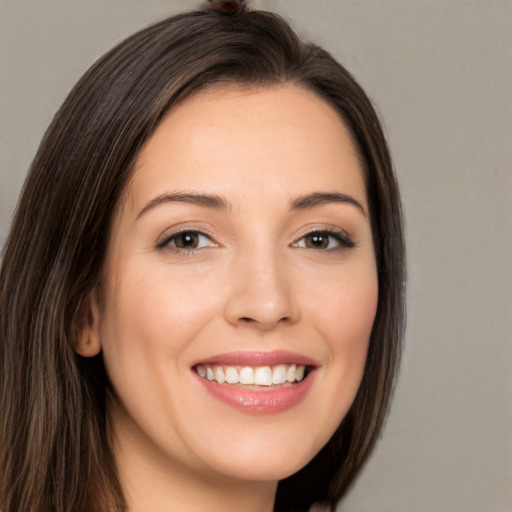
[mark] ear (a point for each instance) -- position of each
(87, 323)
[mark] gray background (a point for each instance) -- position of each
(440, 73)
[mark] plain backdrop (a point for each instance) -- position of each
(440, 74)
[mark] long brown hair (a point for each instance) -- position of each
(54, 447)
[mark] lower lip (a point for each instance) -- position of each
(260, 402)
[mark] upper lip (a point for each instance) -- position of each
(259, 358)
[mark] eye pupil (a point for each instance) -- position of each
(317, 241)
(187, 240)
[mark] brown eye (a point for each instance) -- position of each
(325, 240)
(317, 241)
(186, 241)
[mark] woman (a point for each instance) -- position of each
(202, 291)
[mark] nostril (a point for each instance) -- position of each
(262, 323)
(252, 320)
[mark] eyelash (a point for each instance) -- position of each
(341, 238)
(165, 242)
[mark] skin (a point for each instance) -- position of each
(255, 281)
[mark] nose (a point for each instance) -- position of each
(261, 293)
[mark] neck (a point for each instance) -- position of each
(174, 493)
(178, 492)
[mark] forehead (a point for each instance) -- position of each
(241, 139)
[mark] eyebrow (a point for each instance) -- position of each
(320, 198)
(220, 203)
(208, 200)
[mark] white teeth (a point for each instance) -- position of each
(219, 374)
(263, 376)
(279, 374)
(247, 375)
(231, 375)
(290, 374)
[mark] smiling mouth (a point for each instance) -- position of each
(257, 377)
(256, 382)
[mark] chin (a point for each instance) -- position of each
(267, 465)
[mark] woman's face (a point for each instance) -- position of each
(242, 251)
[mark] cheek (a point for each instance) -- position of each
(345, 320)
(149, 324)
(134, 331)
(342, 316)
(152, 313)
(346, 310)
